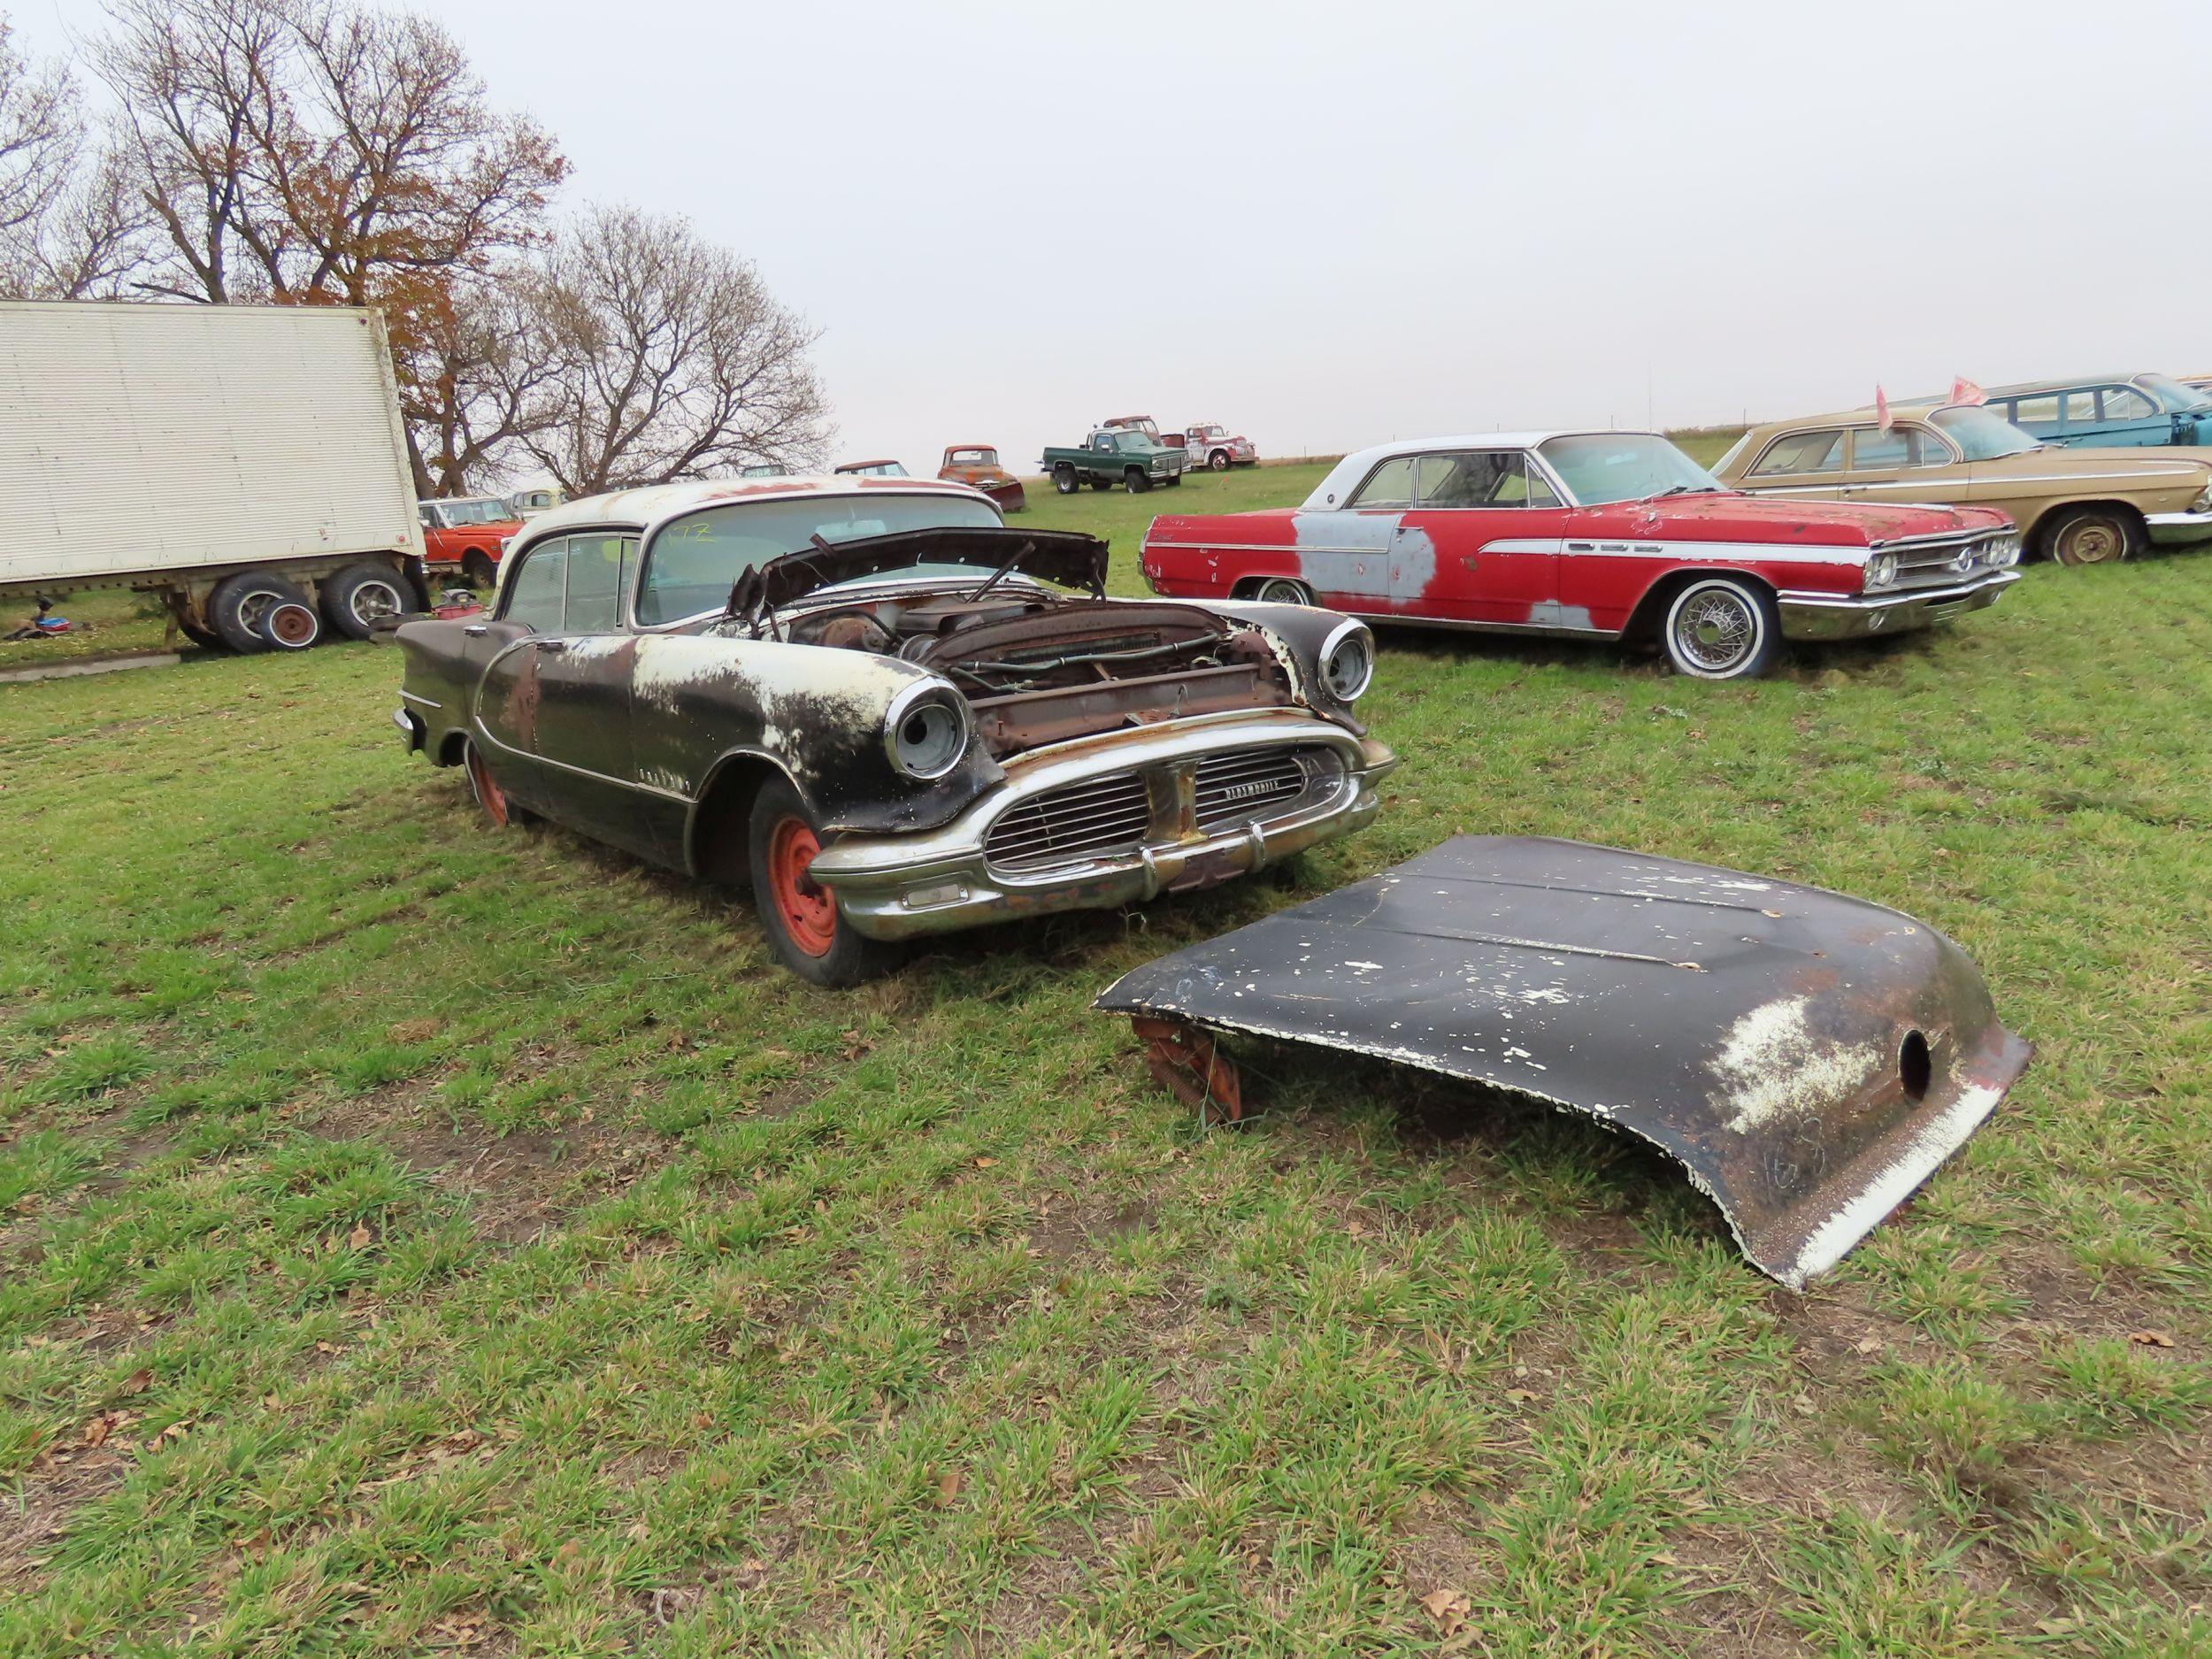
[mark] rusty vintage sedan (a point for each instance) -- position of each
(887, 710)
(2072, 506)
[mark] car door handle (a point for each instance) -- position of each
(552, 645)
(475, 630)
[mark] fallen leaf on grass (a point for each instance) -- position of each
(138, 1381)
(1448, 1608)
(986, 1163)
(1868, 1345)
(359, 1236)
(947, 1487)
(1520, 1396)
(2151, 1339)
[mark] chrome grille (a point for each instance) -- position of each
(1931, 563)
(1096, 818)
(1236, 788)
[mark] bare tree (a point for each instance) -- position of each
(672, 360)
(479, 378)
(200, 84)
(69, 227)
(316, 152)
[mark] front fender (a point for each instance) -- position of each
(815, 712)
(1297, 632)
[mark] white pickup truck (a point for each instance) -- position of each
(246, 463)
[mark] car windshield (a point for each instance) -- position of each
(1982, 433)
(975, 457)
(693, 563)
(1210, 431)
(1601, 467)
(458, 513)
(2176, 398)
(1132, 440)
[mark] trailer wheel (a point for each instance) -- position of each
(240, 602)
(359, 596)
(291, 625)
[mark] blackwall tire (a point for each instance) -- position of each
(1064, 481)
(1217, 462)
(2094, 535)
(808, 933)
(240, 602)
(1722, 627)
(359, 595)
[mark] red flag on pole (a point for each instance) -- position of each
(1964, 391)
(1881, 410)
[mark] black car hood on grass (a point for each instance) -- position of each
(1066, 558)
(1809, 1058)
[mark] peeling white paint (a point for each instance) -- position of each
(1773, 1067)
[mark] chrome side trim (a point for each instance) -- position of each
(415, 696)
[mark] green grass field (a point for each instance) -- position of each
(418, 1239)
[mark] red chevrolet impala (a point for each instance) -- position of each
(1593, 535)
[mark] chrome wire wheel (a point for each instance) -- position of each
(1720, 629)
(1280, 590)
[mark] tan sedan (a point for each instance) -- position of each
(2076, 506)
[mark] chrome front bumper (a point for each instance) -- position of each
(899, 887)
(1856, 615)
(2169, 528)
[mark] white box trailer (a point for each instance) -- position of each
(245, 462)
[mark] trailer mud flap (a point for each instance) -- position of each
(1809, 1058)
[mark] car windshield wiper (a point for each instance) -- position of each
(1682, 489)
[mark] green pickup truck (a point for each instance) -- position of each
(1131, 460)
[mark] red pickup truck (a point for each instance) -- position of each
(1592, 536)
(469, 534)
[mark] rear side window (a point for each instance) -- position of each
(1390, 484)
(2124, 402)
(1874, 452)
(2040, 411)
(1802, 452)
(537, 592)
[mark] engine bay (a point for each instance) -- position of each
(1039, 669)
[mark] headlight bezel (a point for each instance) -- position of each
(938, 757)
(1881, 569)
(1350, 633)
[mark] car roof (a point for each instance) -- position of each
(2019, 386)
(1859, 416)
(1356, 465)
(650, 504)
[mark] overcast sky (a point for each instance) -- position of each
(1331, 224)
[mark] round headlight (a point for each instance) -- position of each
(927, 730)
(1881, 570)
(1347, 662)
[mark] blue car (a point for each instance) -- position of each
(2114, 412)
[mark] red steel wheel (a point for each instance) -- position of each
(489, 795)
(809, 912)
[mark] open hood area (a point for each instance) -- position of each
(1065, 558)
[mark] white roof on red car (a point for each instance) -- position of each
(1344, 477)
(650, 504)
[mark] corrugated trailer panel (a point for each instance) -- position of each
(156, 438)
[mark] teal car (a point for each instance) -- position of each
(2117, 411)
